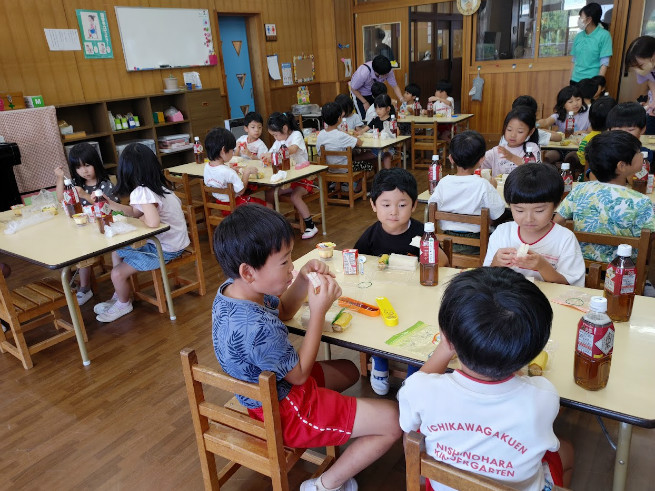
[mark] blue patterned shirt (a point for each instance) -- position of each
(604, 208)
(250, 338)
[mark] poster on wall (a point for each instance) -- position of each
(96, 41)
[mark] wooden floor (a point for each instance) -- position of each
(124, 423)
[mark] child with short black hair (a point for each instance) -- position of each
(465, 192)
(383, 109)
(569, 99)
(598, 113)
(349, 115)
(377, 89)
(441, 96)
(532, 192)
(496, 322)
(253, 247)
(544, 136)
(219, 145)
(630, 117)
(601, 83)
(606, 206)
(250, 145)
(588, 89)
(393, 199)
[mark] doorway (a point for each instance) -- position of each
(236, 61)
(436, 48)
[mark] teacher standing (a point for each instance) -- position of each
(377, 70)
(592, 46)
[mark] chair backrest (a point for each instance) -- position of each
(427, 138)
(642, 244)
(182, 186)
(348, 153)
(483, 220)
(7, 310)
(229, 433)
(192, 229)
(418, 464)
(211, 205)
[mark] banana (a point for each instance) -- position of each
(538, 365)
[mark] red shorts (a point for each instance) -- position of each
(308, 184)
(313, 416)
(241, 200)
(552, 459)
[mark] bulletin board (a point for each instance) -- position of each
(156, 38)
(303, 68)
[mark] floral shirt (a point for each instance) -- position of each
(604, 208)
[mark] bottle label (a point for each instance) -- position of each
(434, 172)
(429, 251)
(642, 175)
(620, 281)
(101, 209)
(69, 196)
(568, 183)
(594, 341)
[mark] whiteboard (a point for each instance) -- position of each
(155, 38)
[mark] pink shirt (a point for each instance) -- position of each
(500, 165)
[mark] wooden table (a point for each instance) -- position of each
(59, 243)
(647, 141)
(370, 143)
(629, 397)
(452, 120)
(197, 170)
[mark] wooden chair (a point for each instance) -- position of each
(30, 306)
(418, 464)
(426, 139)
(182, 189)
(594, 269)
(179, 284)
(483, 220)
(350, 177)
(233, 435)
(214, 211)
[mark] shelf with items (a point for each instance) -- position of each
(91, 118)
(132, 130)
(88, 136)
(139, 107)
(170, 123)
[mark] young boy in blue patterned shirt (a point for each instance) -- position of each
(253, 247)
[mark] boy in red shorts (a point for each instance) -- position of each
(253, 247)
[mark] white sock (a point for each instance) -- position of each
(321, 486)
(120, 304)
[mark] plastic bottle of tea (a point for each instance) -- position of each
(434, 173)
(569, 128)
(71, 200)
(101, 210)
(594, 345)
(429, 260)
(567, 177)
(620, 284)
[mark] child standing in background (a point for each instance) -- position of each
(518, 130)
(284, 128)
(151, 200)
(250, 145)
(219, 144)
(88, 174)
(532, 192)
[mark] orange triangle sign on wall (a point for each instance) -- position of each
(245, 108)
(241, 77)
(237, 47)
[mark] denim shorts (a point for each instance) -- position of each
(145, 258)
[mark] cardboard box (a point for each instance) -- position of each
(11, 100)
(32, 101)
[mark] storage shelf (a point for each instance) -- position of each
(171, 123)
(89, 136)
(132, 130)
(175, 150)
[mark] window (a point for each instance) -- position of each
(382, 39)
(501, 36)
(559, 25)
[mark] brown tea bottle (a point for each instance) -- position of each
(620, 281)
(429, 259)
(594, 345)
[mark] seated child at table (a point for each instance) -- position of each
(465, 192)
(630, 117)
(349, 115)
(544, 136)
(532, 192)
(519, 133)
(378, 88)
(412, 91)
(485, 418)
(219, 145)
(393, 199)
(598, 112)
(140, 176)
(606, 206)
(284, 128)
(601, 83)
(253, 247)
(88, 174)
(337, 141)
(250, 145)
(443, 103)
(383, 110)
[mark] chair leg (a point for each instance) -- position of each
(158, 284)
(20, 350)
(363, 364)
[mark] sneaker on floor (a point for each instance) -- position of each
(115, 312)
(314, 485)
(649, 289)
(310, 232)
(83, 297)
(99, 308)
(380, 382)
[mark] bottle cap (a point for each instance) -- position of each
(644, 154)
(428, 227)
(624, 250)
(607, 94)
(566, 166)
(393, 116)
(537, 125)
(196, 138)
(67, 182)
(435, 157)
(570, 113)
(598, 304)
(97, 192)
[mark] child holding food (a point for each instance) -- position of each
(251, 145)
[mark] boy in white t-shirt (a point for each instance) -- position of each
(219, 144)
(484, 418)
(442, 103)
(532, 192)
(250, 145)
(465, 192)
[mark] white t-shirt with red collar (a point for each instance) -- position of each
(497, 429)
(559, 247)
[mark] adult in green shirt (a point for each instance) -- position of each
(592, 46)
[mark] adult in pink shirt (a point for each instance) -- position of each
(376, 70)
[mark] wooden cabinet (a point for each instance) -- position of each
(201, 109)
